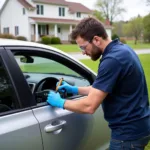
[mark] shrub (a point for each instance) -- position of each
(7, 36)
(123, 40)
(46, 40)
(73, 42)
(114, 36)
(22, 38)
(55, 40)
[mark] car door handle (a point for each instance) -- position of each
(56, 125)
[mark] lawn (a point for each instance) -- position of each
(139, 45)
(145, 60)
(74, 48)
(67, 47)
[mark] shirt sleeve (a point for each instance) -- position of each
(108, 73)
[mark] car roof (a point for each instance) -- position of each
(13, 42)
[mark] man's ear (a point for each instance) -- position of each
(96, 41)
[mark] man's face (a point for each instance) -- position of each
(89, 48)
(96, 52)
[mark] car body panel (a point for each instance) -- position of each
(70, 135)
(20, 131)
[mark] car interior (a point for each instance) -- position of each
(44, 72)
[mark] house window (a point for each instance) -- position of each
(40, 9)
(24, 11)
(6, 30)
(16, 30)
(59, 30)
(43, 30)
(61, 11)
(78, 15)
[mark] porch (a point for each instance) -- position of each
(51, 27)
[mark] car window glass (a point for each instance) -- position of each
(42, 75)
(44, 65)
(7, 94)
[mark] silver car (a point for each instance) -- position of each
(28, 71)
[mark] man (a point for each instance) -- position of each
(120, 87)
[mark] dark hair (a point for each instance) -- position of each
(88, 28)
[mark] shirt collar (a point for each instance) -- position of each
(109, 46)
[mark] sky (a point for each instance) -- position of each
(133, 7)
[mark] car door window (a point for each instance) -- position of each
(7, 94)
(43, 65)
(43, 72)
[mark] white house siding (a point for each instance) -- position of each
(13, 16)
(83, 15)
(52, 11)
(109, 32)
(65, 33)
(51, 30)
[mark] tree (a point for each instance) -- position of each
(110, 8)
(98, 15)
(135, 28)
(118, 28)
(146, 22)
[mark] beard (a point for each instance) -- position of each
(96, 53)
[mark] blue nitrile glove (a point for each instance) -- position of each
(55, 100)
(68, 88)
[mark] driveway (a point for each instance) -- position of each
(80, 56)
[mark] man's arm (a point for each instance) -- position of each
(88, 104)
(84, 90)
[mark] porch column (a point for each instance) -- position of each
(70, 29)
(36, 32)
(56, 32)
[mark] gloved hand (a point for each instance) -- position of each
(68, 88)
(55, 100)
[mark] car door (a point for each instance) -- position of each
(19, 127)
(62, 129)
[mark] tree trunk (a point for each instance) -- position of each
(135, 42)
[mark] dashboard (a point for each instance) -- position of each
(41, 84)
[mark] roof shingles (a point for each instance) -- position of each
(78, 7)
(57, 2)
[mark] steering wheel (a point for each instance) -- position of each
(41, 96)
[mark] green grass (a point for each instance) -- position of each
(148, 147)
(74, 48)
(67, 47)
(47, 68)
(139, 45)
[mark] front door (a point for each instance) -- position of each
(60, 33)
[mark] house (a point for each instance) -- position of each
(35, 18)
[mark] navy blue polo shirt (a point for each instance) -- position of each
(126, 107)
